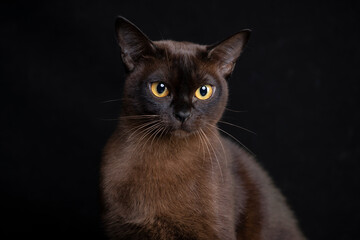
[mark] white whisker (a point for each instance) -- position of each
(139, 117)
(201, 145)
(146, 132)
(235, 140)
(234, 125)
(222, 146)
(138, 128)
(216, 157)
(208, 150)
(214, 152)
(236, 111)
(111, 100)
(155, 135)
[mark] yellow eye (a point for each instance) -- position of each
(159, 89)
(204, 92)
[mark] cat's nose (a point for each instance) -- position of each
(182, 115)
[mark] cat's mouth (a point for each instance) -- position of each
(183, 130)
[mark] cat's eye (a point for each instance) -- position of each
(204, 92)
(159, 89)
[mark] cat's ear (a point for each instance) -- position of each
(133, 43)
(225, 53)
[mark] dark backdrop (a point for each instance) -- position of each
(296, 85)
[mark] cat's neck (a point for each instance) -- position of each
(145, 141)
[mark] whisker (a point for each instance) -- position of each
(135, 117)
(138, 116)
(201, 134)
(216, 157)
(201, 145)
(152, 131)
(234, 125)
(146, 132)
(155, 135)
(236, 111)
(111, 100)
(222, 146)
(234, 139)
(164, 131)
(142, 126)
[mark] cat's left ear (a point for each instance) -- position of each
(225, 53)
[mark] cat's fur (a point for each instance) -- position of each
(165, 177)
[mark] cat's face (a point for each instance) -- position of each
(179, 84)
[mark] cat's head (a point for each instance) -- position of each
(180, 86)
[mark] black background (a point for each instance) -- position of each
(297, 83)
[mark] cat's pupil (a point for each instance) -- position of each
(160, 88)
(203, 91)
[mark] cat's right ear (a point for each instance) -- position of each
(133, 43)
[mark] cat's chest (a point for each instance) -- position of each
(163, 180)
(178, 201)
(170, 187)
(164, 174)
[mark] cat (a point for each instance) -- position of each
(166, 172)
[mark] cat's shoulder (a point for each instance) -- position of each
(236, 151)
(244, 162)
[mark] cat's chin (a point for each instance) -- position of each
(181, 133)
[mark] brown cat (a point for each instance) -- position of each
(167, 173)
